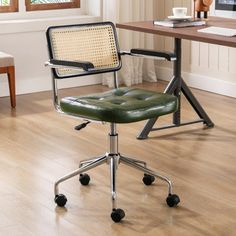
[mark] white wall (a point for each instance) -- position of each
(209, 67)
(23, 35)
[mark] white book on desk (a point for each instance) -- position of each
(178, 23)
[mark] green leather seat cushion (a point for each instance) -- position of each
(123, 105)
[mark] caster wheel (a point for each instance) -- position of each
(211, 125)
(84, 179)
(148, 179)
(172, 200)
(117, 215)
(60, 200)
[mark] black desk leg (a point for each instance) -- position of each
(177, 77)
(196, 105)
(175, 87)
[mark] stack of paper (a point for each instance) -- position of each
(219, 31)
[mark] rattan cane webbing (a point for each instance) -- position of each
(95, 44)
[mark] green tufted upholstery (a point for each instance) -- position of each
(123, 105)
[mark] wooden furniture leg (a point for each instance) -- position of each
(10, 71)
(11, 81)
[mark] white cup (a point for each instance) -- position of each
(179, 11)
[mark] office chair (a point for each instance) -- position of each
(88, 49)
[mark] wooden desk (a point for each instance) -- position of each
(177, 84)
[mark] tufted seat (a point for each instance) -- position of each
(7, 67)
(123, 105)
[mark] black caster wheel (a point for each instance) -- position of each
(84, 179)
(60, 200)
(211, 125)
(117, 215)
(172, 200)
(148, 179)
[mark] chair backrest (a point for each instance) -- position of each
(95, 42)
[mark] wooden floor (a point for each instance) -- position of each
(37, 146)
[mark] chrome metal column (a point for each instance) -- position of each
(114, 159)
(113, 140)
(113, 167)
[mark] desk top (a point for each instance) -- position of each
(190, 33)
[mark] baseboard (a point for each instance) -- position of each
(201, 82)
(44, 84)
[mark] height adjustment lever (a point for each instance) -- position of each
(81, 126)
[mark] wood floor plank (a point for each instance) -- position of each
(37, 146)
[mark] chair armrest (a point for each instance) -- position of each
(169, 56)
(85, 65)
